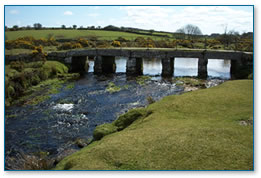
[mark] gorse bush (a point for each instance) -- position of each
(38, 54)
(29, 42)
(12, 44)
(70, 45)
(185, 43)
(103, 44)
(83, 42)
(116, 43)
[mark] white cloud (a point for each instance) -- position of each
(209, 19)
(68, 13)
(13, 12)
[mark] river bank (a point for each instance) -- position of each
(208, 129)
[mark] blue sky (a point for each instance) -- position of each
(210, 19)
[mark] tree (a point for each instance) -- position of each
(63, 27)
(28, 27)
(190, 30)
(15, 27)
(228, 37)
(37, 26)
(74, 26)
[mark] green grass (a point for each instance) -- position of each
(198, 130)
(73, 34)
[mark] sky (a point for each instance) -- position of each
(210, 19)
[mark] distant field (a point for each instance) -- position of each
(72, 34)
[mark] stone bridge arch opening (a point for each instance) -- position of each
(219, 68)
(186, 66)
(152, 66)
(79, 64)
(121, 64)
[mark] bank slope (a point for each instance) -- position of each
(208, 129)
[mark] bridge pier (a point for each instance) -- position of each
(134, 66)
(79, 63)
(202, 67)
(104, 64)
(167, 67)
(241, 68)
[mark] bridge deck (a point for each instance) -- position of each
(154, 53)
(139, 53)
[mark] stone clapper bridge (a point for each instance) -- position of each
(104, 59)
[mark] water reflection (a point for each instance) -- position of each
(121, 63)
(91, 65)
(152, 66)
(219, 68)
(182, 67)
(185, 67)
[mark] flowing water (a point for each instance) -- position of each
(56, 123)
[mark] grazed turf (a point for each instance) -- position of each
(198, 130)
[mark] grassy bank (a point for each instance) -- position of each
(31, 83)
(208, 129)
(74, 34)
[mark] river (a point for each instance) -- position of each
(54, 125)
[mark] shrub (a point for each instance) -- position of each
(14, 44)
(29, 42)
(116, 44)
(185, 43)
(103, 44)
(17, 65)
(83, 42)
(150, 43)
(140, 42)
(38, 54)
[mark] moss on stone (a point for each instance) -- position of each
(128, 118)
(112, 88)
(103, 130)
(189, 81)
(121, 123)
(141, 80)
(70, 86)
